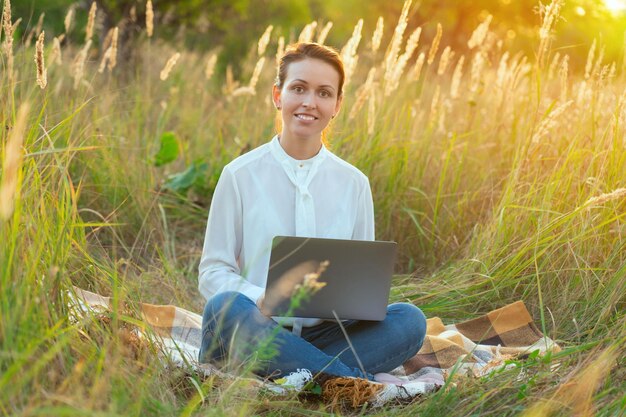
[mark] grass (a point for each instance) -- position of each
(493, 196)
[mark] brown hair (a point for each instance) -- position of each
(299, 51)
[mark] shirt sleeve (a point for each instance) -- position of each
(219, 270)
(364, 224)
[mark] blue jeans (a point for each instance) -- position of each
(234, 329)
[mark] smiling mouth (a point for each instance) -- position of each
(305, 117)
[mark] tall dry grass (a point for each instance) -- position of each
(500, 175)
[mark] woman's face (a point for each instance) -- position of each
(308, 99)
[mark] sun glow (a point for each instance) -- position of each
(615, 6)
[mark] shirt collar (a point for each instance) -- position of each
(284, 158)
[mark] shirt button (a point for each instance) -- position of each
(301, 165)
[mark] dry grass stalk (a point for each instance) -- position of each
(256, 74)
(69, 19)
(456, 78)
(553, 65)
(363, 93)
(598, 64)
(550, 122)
(549, 15)
(434, 46)
(563, 70)
(434, 105)
(480, 33)
(149, 18)
(503, 72)
(478, 64)
(56, 56)
(417, 68)
(133, 14)
(91, 21)
(39, 26)
(446, 56)
(12, 163)
(7, 45)
(321, 38)
(210, 67)
(280, 50)
(113, 55)
(105, 59)
(231, 84)
(590, 59)
(391, 55)
(616, 194)
(42, 79)
(165, 72)
(244, 91)
(377, 37)
(392, 83)
(79, 64)
(371, 113)
(349, 54)
(307, 33)
(264, 40)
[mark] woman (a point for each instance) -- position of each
(294, 186)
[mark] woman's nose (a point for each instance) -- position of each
(309, 101)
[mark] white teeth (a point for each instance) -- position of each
(305, 117)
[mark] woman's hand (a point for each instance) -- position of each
(259, 301)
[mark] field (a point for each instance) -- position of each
(501, 175)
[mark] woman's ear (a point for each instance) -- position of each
(276, 96)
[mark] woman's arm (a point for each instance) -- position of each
(219, 269)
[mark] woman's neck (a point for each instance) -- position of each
(300, 149)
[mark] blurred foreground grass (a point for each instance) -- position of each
(501, 176)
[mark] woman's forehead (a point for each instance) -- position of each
(313, 71)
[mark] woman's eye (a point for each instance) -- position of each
(298, 89)
(325, 93)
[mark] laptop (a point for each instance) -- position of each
(354, 276)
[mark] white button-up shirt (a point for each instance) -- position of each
(266, 193)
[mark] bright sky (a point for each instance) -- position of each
(616, 6)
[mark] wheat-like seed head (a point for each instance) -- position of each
(503, 72)
(371, 113)
(434, 46)
(398, 69)
(480, 33)
(363, 93)
(549, 14)
(42, 79)
(349, 54)
(446, 56)
(133, 14)
(434, 105)
(264, 40)
(563, 70)
(12, 163)
(417, 68)
(105, 59)
(377, 37)
(7, 45)
(321, 38)
(590, 59)
(79, 64)
(210, 66)
(149, 18)
(553, 65)
(549, 122)
(598, 64)
(165, 72)
(39, 26)
(280, 50)
(56, 56)
(456, 78)
(256, 73)
(113, 56)
(90, 21)
(478, 63)
(307, 33)
(605, 198)
(69, 19)
(391, 55)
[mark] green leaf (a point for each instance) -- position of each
(168, 151)
(182, 181)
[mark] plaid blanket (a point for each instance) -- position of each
(476, 346)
